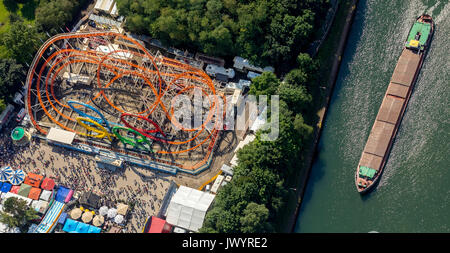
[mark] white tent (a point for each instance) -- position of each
(118, 219)
(187, 208)
(112, 213)
(103, 210)
(45, 195)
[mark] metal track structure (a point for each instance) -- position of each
(88, 83)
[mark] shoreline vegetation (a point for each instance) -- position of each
(330, 56)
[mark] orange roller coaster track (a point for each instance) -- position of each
(121, 82)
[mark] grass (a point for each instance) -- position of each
(325, 57)
(25, 10)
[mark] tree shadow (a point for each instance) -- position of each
(28, 9)
(11, 5)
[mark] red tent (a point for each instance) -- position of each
(15, 189)
(33, 179)
(34, 193)
(48, 184)
(158, 225)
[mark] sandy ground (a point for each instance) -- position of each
(78, 171)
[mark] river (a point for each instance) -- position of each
(414, 191)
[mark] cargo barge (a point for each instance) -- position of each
(381, 137)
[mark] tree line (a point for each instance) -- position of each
(25, 34)
(252, 201)
(267, 32)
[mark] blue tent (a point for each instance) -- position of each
(17, 177)
(62, 194)
(82, 227)
(62, 218)
(70, 225)
(6, 187)
(1, 184)
(94, 229)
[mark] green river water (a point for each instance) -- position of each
(414, 191)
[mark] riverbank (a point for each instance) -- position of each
(329, 56)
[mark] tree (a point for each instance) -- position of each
(265, 84)
(254, 219)
(16, 213)
(12, 74)
(296, 97)
(55, 14)
(17, 47)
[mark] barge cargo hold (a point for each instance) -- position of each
(384, 129)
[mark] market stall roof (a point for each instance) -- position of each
(15, 189)
(33, 179)
(87, 217)
(17, 177)
(82, 227)
(34, 193)
(70, 225)
(5, 173)
(61, 136)
(93, 229)
(6, 187)
(45, 195)
(24, 190)
(48, 184)
(158, 225)
(90, 199)
(98, 220)
(62, 194)
(10, 195)
(187, 208)
(76, 213)
(62, 218)
(122, 209)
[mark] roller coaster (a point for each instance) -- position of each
(119, 96)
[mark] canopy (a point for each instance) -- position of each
(158, 225)
(17, 133)
(103, 210)
(82, 227)
(45, 195)
(43, 206)
(98, 220)
(17, 177)
(70, 225)
(14, 189)
(76, 213)
(62, 218)
(87, 217)
(118, 219)
(6, 187)
(34, 193)
(122, 209)
(62, 193)
(48, 184)
(112, 213)
(69, 196)
(5, 173)
(33, 179)
(93, 229)
(24, 190)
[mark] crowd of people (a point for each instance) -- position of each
(141, 188)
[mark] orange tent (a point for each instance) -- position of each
(33, 179)
(34, 193)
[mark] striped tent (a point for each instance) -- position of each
(17, 177)
(5, 173)
(50, 218)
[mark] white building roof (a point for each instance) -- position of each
(212, 70)
(104, 5)
(187, 208)
(61, 136)
(242, 64)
